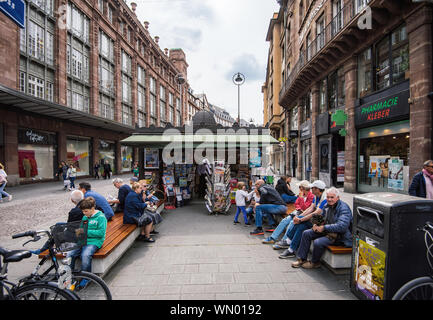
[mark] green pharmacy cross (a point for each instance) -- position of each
(340, 117)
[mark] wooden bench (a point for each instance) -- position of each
(290, 209)
(338, 259)
(118, 238)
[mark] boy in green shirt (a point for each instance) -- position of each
(96, 228)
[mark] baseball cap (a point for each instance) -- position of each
(135, 179)
(318, 184)
(304, 184)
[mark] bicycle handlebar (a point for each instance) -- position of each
(24, 234)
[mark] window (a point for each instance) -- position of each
(106, 46)
(341, 91)
(294, 119)
(365, 65)
(110, 14)
(360, 5)
(23, 40)
(78, 23)
(36, 41)
(178, 119)
(126, 89)
(126, 115)
(141, 119)
(320, 31)
(49, 93)
(78, 96)
(322, 97)
(106, 107)
(141, 91)
(382, 64)
(400, 54)
(162, 104)
(126, 63)
(36, 87)
(50, 48)
(337, 16)
(309, 47)
(106, 76)
(332, 91)
(22, 81)
(101, 5)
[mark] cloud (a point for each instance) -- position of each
(248, 65)
(186, 38)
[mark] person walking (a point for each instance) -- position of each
(3, 182)
(63, 170)
(107, 170)
(422, 182)
(71, 175)
(96, 170)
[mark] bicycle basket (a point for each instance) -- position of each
(69, 236)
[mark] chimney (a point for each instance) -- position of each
(146, 25)
(133, 6)
(156, 39)
(166, 51)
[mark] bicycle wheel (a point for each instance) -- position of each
(43, 291)
(89, 286)
(416, 289)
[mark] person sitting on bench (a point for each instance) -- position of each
(336, 230)
(283, 189)
(124, 190)
(101, 202)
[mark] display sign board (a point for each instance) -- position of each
(30, 136)
(305, 131)
(15, 10)
(386, 109)
(322, 124)
(293, 134)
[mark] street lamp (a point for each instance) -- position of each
(239, 79)
(180, 81)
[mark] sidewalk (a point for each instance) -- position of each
(195, 256)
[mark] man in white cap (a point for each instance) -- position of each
(302, 222)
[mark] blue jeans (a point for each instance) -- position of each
(86, 254)
(72, 184)
(2, 192)
(281, 227)
(289, 199)
(268, 210)
(319, 246)
(238, 210)
(294, 232)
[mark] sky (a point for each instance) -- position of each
(219, 38)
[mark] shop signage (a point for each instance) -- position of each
(29, 136)
(305, 131)
(293, 134)
(322, 124)
(103, 144)
(14, 9)
(383, 110)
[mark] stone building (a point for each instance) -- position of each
(79, 78)
(357, 85)
(274, 116)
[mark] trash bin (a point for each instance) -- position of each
(388, 251)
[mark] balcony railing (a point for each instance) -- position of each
(343, 18)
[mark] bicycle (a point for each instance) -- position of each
(419, 288)
(86, 285)
(27, 290)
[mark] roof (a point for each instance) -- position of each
(21, 101)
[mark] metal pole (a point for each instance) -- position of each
(239, 105)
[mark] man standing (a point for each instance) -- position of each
(335, 231)
(422, 182)
(270, 203)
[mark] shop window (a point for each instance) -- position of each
(126, 158)
(78, 154)
(365, 65)
(383, 158)
(324, 157)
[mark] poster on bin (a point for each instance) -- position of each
(395, 176)
(369, 270)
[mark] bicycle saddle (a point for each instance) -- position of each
(14, 255)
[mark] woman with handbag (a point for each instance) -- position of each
(135, 213)
(3, 182)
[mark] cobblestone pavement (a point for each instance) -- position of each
(195, 256)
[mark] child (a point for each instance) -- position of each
(252, 207)
(241, 196)
(96, 228)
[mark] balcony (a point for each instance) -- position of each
(338, 40)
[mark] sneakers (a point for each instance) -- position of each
(236, 222)
(271, 228)
(282, 244)
(310, 265)
(287, 254)
(247, 224)
(257, 231)
(10, 198)
(268, 240)
(298, 263)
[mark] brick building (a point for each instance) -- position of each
(357, 82)
(79, 78)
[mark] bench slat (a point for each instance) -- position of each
(107, 249)
(339, 249)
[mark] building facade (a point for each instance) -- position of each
(79, 78)
(357, 85)
(274, 116)
(221, 116)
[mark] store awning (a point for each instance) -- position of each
(19, 100)
(194, 140)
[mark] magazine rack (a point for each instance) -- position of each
(217, 198)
